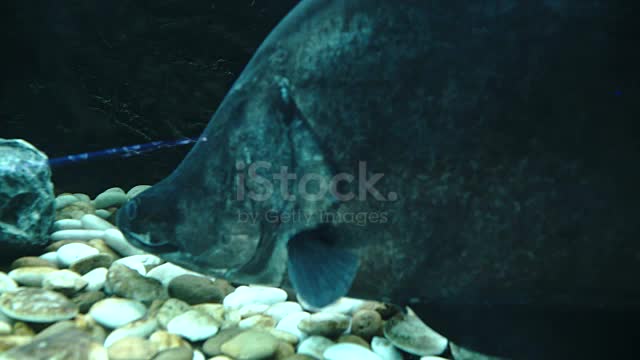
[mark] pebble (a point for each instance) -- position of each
(143, 259)
(116, 240)
(61, 345)
(5, 328)
(170, 309)
(280, 310)
(139, 328)
(93, 222)
(30, 276)
(132, 348)
(54, 246)
(136, 190)
(211, 347)
(177, 353)
(125, 282)
(198, 289)
(193, 325)
(354, 339)
(344, 305)
(244, 295)
(460, 353)
(167, 272)
(115, 312)
(37, 305)
(216, 311)
(290, 324)
(67, 224)
(86, 264)
(27, 261)
(76, 234)
(252, 309)
(109, 199)
(250, 345)
(69, 253)
(103, 213)
(51, 257)
(325, 324)
(64, 281)
(85, 300)
(314, 346)
(75, 210)
(385, 349)
(7, 283)
(259, 321)
(409, 333)
(366, 323)
(102, 246)
(64, 200)
(347, 351)
(165, 340)
(12, 341)
(283, 335)
(96, 279)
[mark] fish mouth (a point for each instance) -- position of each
(172, 254)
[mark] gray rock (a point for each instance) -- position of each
(26, 197)
(195, 289)
(122, 281)
(86, 299)
(69, 345)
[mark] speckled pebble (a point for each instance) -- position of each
(37, 305)
(409, 333)
(166, 340)
(85, 265)
(325, 324)
(124, 282)
(132, 348)
(366, 323)
(170, 309)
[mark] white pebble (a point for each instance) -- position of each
(67, 224)
(385, 349)
(69, 253)
(136, 190)
(432, 358)
(104, 214)
(344, 305)
(77, 234)
(114, 189)
(290, 324)
(7, 283)
(5, 328)
(144, 259)
(116, 312)
(280, 310)
(197, 355)
(109, 198)
(347, 351)
(90, 221)
(51, 257)
(244, 295)
(141, 328)
(30, 275)
(65, 200)
(193, 325)
(314, 346)
(96, 279)
(167, 272)
(116, 240)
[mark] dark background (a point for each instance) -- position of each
(85, 75)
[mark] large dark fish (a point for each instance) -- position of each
(483, 157)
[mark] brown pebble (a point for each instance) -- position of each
(176, 353)
(26, 261)
(366, 324)
(354, 339)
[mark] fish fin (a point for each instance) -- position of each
(320, 272)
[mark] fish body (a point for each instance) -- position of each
(469, 159)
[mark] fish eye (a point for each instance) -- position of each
(131, 209)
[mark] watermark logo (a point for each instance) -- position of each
(253, 183)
